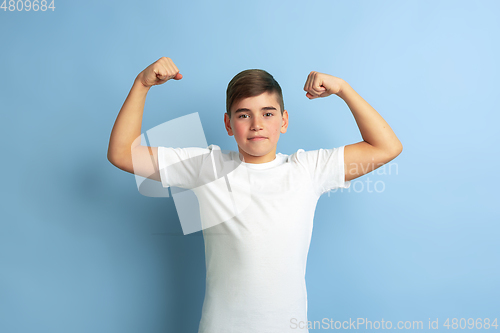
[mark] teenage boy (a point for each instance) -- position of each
(256, 260)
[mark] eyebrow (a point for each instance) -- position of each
(263, 109)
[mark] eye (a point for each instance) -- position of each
(242, 115)
(269, 113)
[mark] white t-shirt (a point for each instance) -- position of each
(255, 260)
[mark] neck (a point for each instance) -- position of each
(247, 158)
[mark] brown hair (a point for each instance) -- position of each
(250, 83)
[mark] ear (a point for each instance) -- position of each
(284, 122)
(227, 124)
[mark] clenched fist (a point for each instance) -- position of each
(159, 72)
(322, 85)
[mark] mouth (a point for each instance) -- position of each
(257, 138)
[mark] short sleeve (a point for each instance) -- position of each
(326, 167)
(181, 167)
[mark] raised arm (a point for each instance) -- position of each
(379, 146)
(125, 150)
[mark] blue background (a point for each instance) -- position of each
(81, 250)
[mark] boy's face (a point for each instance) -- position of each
(257, 116)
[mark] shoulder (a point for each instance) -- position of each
(302, 154)
(172, 155)
(301, 159)
(317, 159)
(189, 150)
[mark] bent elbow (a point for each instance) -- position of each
(398, 150)
(111, 158)
(117, 162)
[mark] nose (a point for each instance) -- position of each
(256, 124)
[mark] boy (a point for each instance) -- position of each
(256, 261)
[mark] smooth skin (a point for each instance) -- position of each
(379, 146)
(251, 117)
(124, 150)
(257, 116)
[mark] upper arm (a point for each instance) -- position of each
(361, 158)
(143, 161)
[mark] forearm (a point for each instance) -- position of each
(374, 129)
(127, 128)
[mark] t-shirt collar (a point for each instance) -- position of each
(277, 160)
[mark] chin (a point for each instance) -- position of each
(252, 152)
(259, 153)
